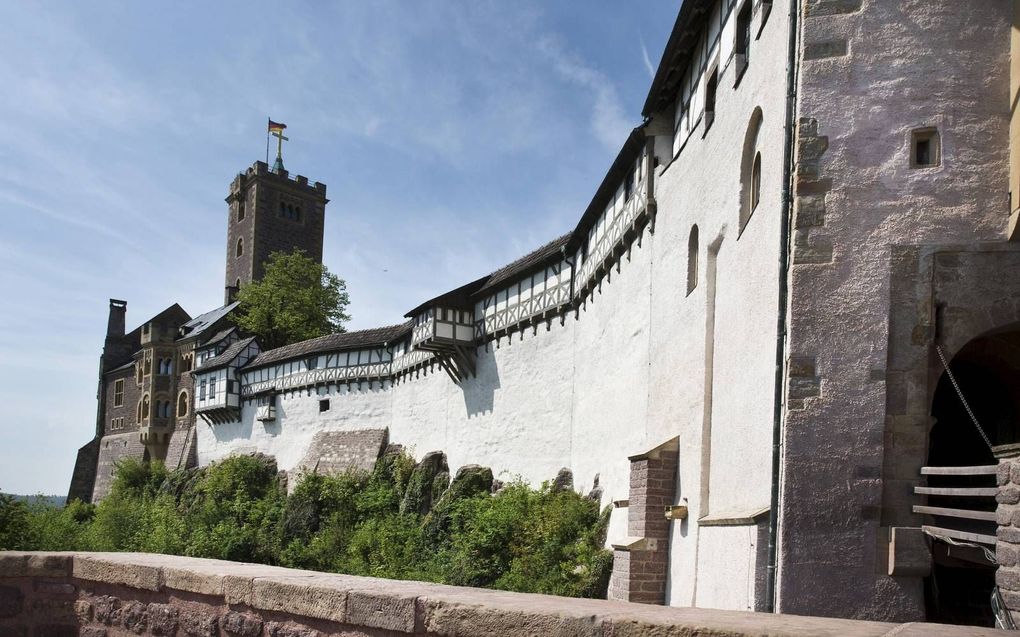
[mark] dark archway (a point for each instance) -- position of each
(987, 370)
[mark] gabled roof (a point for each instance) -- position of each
(333, 342)
(133, 339)
(682, 40)
(203, 322)
(227, 356)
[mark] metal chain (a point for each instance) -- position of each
(959, 392)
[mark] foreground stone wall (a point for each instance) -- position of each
(114, 594)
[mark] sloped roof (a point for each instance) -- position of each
(219, 336)
(202, 322)
(332, 342)
(530, 261)
(673, 63)
(227, 357)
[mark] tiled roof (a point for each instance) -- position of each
(227, 356)
(332, 342)
(521, 266)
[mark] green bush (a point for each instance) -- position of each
(522, 539)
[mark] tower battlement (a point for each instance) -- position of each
(261, 169)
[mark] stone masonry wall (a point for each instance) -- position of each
(641, 565)
(1007, 546)
(122, 594)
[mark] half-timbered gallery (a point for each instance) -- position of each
(743, 343)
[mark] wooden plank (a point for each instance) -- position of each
(960, 535)
(984, 470)
(956, 513)
(957, 491)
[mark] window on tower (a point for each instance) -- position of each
(240, 247)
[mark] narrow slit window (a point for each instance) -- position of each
(710, 90)
(925, 148)
(692, 260)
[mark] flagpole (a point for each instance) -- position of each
(267, 139)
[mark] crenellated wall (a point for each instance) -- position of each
(115, 594)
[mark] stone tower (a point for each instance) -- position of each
(270, 211)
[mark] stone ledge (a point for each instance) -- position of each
(387, 607)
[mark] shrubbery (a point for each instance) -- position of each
(398, 522)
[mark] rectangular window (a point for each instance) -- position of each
(744, 32)
(201, 390)
(118, 393)
(313, 362)
(324, 405)
(212, 388)
(925, 148)
(710, 87)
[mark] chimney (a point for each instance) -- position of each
(118, 312)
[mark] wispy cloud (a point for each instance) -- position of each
(647, 60)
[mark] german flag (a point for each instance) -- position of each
(275, 127)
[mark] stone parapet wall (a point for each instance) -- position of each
(115, 594)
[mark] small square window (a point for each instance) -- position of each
(925, 148)
(324, 405)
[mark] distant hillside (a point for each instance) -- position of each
(54, 500)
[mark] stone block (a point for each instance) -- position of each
(134, 618)
(1008, 578)
(92, 631)
(12, 601)
(1014, 471)
(241, 625)
(1008, 534)
(1009, 494)
(196, 622)
(908, 552)
(118, 570)
(319, 598)
(162, 619)
(107, 610)
(1006, 554)
(387, 610)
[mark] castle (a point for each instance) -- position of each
(741, 341)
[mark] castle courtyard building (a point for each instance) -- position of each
(752, 345)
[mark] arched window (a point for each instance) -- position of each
(240, 209)
(143, 410)
(240, 247)
(237, 283)
(750, 170)
(692, 260)
(182, 404)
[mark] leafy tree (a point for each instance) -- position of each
(13, 524)
(296, 299)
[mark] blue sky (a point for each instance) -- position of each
(453, 137)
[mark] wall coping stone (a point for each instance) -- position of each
(406, 607)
